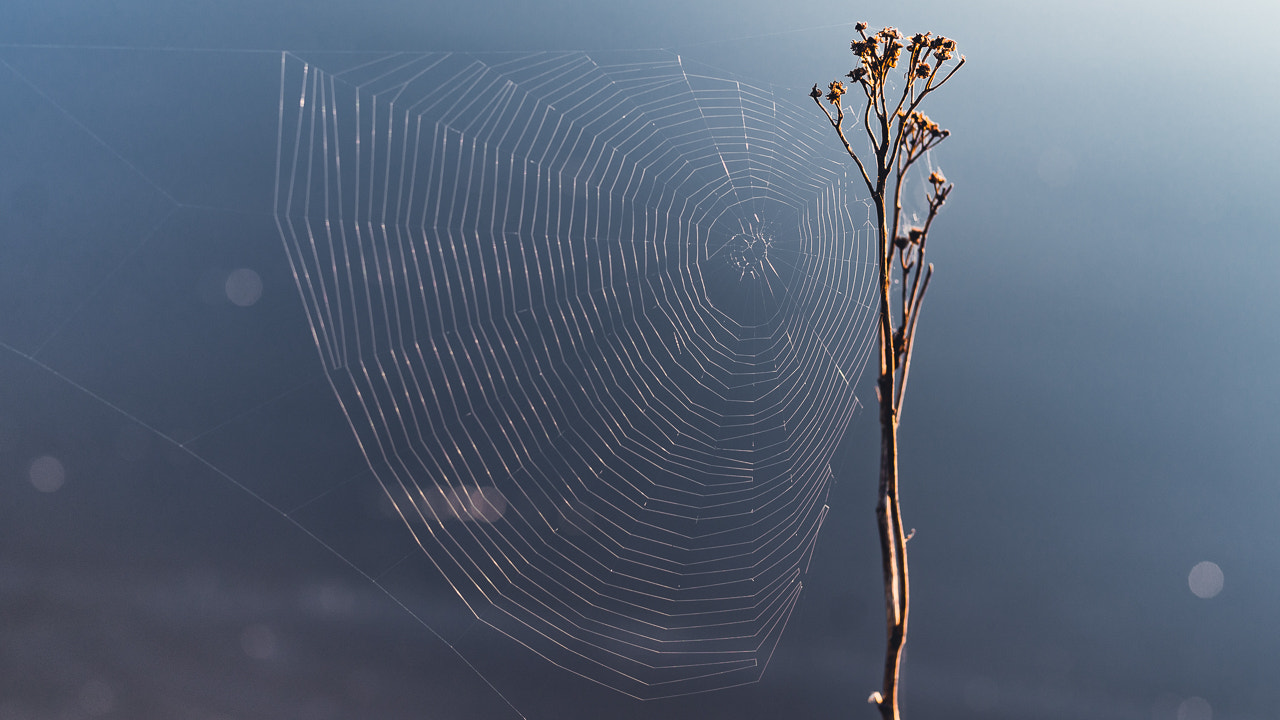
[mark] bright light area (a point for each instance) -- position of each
(1195, 708)
(47, 474)
(466, 502)
(1205, 580)
(259, 642)
(244, 287)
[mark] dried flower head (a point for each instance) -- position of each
(943, 48)
(918, 122)
(815, 93)
(859, 27)
(922, 70)
(836, 89)
(857, 73)
(915, 235)
(937, 178)
(892, 51)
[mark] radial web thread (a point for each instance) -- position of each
(595, 320)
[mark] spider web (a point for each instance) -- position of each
(595, 321)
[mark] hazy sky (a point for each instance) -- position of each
(1091, 413)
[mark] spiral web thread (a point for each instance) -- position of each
(595, 321)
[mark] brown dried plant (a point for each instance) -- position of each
(898, 135)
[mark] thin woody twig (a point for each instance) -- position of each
(910, 344)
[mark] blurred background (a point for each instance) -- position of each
(1089, 455)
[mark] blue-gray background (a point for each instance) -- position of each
(1092, 410)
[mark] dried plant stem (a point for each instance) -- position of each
(893, 541)
(898, 135)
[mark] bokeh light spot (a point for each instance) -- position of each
(469, 503)
(47, 474)
(327, 599)
(1205, 579)
(259, 642)
(244, 287)
(1195, 708)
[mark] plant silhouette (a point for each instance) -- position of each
(898, 136)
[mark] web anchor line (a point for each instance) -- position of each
(288, 516)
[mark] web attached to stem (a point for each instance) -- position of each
(595, 321)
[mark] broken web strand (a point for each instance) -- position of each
(613, 448)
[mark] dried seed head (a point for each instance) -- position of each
(836, 89)
(892, 52)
